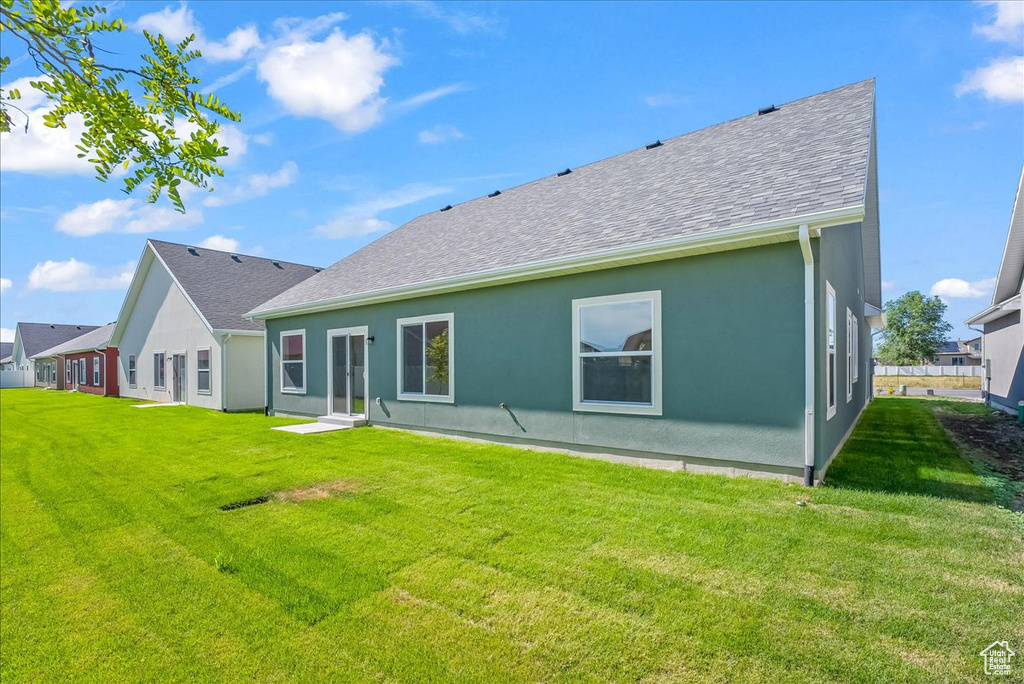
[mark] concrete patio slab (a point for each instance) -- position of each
(310, 428)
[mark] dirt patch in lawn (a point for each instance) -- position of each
(996, 442)
(319, 490)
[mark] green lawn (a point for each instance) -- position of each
(437, 560)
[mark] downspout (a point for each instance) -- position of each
(805, 248)
(224, 373)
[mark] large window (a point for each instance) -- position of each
(203, 371)
(82, 372)
(426, 358)
(293, 361)
(849, 355)
(855, 324)
(830, 358)
(159, 369)
(617, 353)
(132, 371)
(96, 371)
(67, 373)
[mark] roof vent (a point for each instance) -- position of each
(277, 264)
(192, 251)
(52, 327)
(495, 193)
(317, 270)
(767, 110)
(446, 207)
(564, 173)
(234, 257)
(656, 143)
(78, 327)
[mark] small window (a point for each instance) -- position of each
(426, 358)
(67, 371)
(159, 369)
(830, 352)
(82, 371)
(617, 353)
(850, 369)
(856, 346)
(293, 361)
(203, 371)
(96, 371)
(957, 361)
(131, 371)
(977, 346)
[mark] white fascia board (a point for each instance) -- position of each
(779, 230)
(997, 311)
(875, 317)
(236, 333)
(132, 295)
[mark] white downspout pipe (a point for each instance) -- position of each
(224, 372)
(805, 247)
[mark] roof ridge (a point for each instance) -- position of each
(221, 251)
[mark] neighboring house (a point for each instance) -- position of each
(31, 339)
(1003, 334)
(181, 335)
(958, 353)
(566, 312)
(87, 363)
(6, 354)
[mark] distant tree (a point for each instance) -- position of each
(133, 131)
(915, 330)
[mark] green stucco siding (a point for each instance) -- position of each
(732, 358)
(840, 259)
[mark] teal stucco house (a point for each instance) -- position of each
(705, 301)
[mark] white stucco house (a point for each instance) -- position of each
(181, 335)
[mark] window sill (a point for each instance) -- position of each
(623, 409)
(427, 398)
(205, 393)
(292, 391)
(830, 413)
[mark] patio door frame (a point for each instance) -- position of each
(348, 333)
(179, 380)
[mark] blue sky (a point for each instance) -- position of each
(358, 117)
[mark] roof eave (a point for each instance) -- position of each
(996, 311)
(737, 237)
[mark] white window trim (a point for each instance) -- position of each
(292, 390)
(435, 398)
(209, 370)
(133, 358)
(162, 353)
(856, 346)
(830, 356)
(652, 409)
(96, 371)
(849, 356)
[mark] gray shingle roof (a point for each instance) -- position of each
(38, 337)
(808, 156)
(94, 339)
(224, 286)
(6, 350)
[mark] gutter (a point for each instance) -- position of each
(805, 248)
(778, 230)
(224, 372)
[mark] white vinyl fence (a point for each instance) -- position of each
(16, 378)
(955, 371)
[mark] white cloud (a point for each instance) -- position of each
(40, 150)
(957, 288)
(338, 79)
(227, 79)
(256, 185)
(6, 335)
(665, 100)
(1002, 79)
(221, 243)
(361, 218)
(73, 276)
(123, 216)
(888, 285)
(263, 138)
(431, 95)
(461, 22)
(177, 24)
(5, 285)
(439, 134)
(1008, 24)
